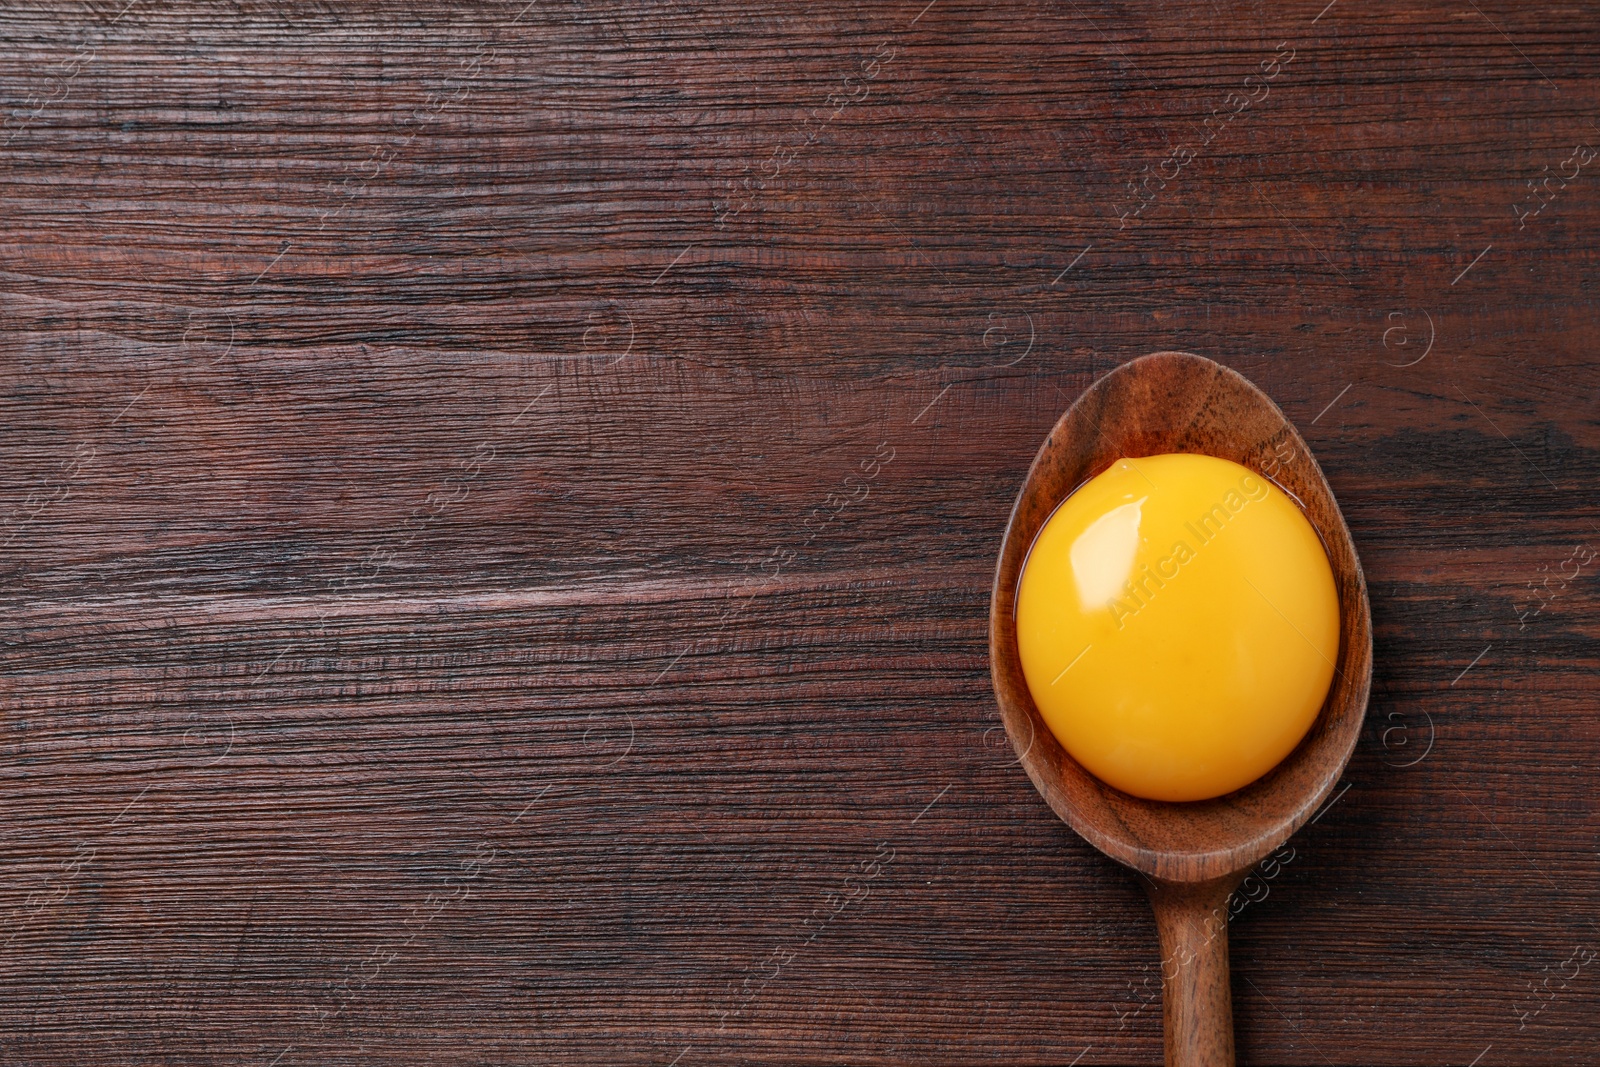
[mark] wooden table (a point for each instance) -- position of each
(500, 503)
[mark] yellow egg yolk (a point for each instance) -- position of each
(1178, 625)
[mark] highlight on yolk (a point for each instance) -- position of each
(1178, 625)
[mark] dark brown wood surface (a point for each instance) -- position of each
(499, 505)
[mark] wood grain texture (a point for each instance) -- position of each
(437, 625)
(1196, 994)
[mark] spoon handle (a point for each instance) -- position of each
(1196, 1001)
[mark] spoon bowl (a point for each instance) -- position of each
(1193, 855)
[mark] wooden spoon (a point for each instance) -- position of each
(1193, 855)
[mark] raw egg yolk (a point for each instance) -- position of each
(1178, 625)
